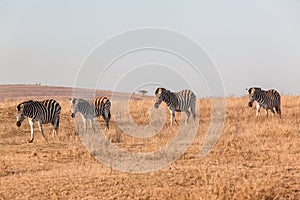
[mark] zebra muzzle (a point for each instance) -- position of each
(18, 123)
(250, 104)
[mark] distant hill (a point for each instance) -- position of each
(27, 91)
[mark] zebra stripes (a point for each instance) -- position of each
(267, 99)
(42, 112)
(177, 101)
(100, 106)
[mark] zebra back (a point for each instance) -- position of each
(52, 106)
(185, 98)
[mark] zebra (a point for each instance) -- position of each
(267, 99)
(177, 101)
(100, 106)
(42, 112)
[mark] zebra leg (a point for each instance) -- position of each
(188, 116)
(107, 124)
(257, 110)
(193, 110)
(106, 117)
(272, 111)
(267, 113)
(84, 124)
(278, 110)
(55, 124)
(92, 123)
(172, 118)
(32, 131)
(41, 129)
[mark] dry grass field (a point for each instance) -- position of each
(253, 159)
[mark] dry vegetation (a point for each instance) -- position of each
(253, 159)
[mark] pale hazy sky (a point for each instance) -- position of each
(253, 43)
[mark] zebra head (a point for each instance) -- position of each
(74, 106)
(252, 95)
(159, 93)
(20, 112)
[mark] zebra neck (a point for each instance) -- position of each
(29, 113)
(259, 97)
(98, 111)
(169, 99)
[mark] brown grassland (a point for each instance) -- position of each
(253, 158)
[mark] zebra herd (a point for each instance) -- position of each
(48, 111)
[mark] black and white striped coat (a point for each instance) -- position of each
(100, 106)
(42, 112)
(177, 102)
(268, 99)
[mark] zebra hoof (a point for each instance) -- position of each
(31, 140)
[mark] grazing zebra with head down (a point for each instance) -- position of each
(177, 101)
(100, 106)
(267, 99)
(42, 112)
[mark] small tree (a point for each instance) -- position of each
(143, 92)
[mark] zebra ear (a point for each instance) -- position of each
(249, 90)
(155, 91)
(73, 101)
(20, 106)
(159, 90)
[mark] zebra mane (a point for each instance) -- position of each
(74, 100)
(22, 104)
(84, 101)
(160, 90)
(167, 91)
(79, 100)
(253, 88)
(257, 88)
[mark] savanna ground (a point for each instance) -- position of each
(253, 158)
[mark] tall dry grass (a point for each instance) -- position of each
(253, 159)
